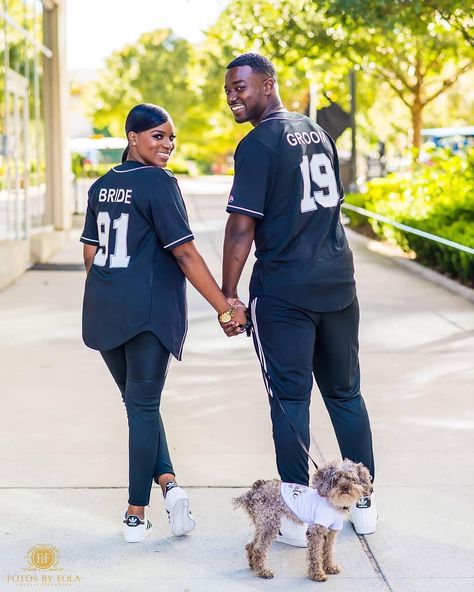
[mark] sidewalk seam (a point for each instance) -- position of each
(374, 563)
(448, 320)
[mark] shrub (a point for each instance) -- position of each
(436, 198)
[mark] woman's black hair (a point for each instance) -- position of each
(143, 117)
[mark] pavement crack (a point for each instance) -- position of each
(451, 322)
(374, 563)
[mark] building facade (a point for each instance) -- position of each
(35, 203)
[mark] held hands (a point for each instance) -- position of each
(239, 321)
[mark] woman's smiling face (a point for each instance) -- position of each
(154, 146)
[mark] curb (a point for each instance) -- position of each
(395, 255)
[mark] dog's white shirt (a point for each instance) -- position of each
(310, 507)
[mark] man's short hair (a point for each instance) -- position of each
(257, 62)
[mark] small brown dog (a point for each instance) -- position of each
(335, 487)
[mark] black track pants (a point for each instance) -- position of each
(139, 368)
(293, 344)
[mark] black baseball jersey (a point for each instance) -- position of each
(136, 216)
(287, 177)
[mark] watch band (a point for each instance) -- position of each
(227, 315)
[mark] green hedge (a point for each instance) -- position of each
(437, 198)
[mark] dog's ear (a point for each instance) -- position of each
(365, 478)
(322, 480)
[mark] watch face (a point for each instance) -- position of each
(225, 317)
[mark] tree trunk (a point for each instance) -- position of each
(417, 123)
(418, 104)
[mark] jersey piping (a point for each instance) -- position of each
(131, 170)
(178, 241)
(279, 118)
(86, 238)
(245, 210)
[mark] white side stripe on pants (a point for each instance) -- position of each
(261, 356)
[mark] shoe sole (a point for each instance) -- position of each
(366, 530)
(136, 539)
(180, 521)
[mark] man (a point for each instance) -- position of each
(286, 197)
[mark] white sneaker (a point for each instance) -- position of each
(135, 529)
(363, 515)
(177, 506)
(292, 534)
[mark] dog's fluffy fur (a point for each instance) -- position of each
(341, 483)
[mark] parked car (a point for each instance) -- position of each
(454, 139)
(96, 151)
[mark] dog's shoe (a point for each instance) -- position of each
(179, 516)
(291, 533)
(363, 515)
(135, 529)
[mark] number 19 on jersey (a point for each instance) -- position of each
(318, 169)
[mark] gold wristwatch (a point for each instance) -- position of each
(226, 316)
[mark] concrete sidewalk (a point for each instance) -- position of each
(63, 439)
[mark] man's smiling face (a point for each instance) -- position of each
(246, 96)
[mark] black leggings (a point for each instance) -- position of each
(139, 368)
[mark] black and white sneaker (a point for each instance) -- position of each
(177, 507)
(135, 529)
(363, 515)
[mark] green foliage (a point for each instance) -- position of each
(77, 165)
(413, 50)
(292, 33)
(154, 69)
(417, 49)
(436, 198)
(187, 81)
(412, 46)
(415, 14)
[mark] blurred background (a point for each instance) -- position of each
(391, 81)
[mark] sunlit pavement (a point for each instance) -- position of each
(63, 442)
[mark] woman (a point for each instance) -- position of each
(138, 248)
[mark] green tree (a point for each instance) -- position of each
(289, 32)
(154, 69)
(164, 69)
(234, 33)
(458, 14)
(417, 48)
